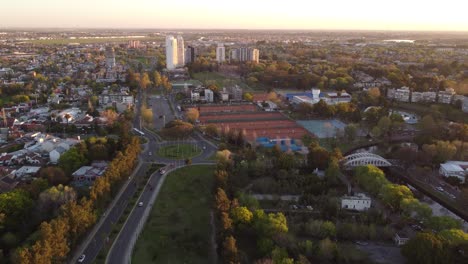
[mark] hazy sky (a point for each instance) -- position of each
(238, 14)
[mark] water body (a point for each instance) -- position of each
(400, 40)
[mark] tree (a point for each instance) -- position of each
(71, 160)
(222, 202)
(440, 223)
(370, 178)
(350, 132)
(211, 130)
(192, 115)
(53, 198)
(241, 215)
(424, 248)
(80, 217)
(144, 81)
(393, 194)
(248, 97)
(332, 173)
(226, 221)
(157, 79)
(16, 206)
(54, 175)
(318, 157)
(230, 250)
(110, 115)
(327, 249)
(147, 114)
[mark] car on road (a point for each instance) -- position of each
(140, 204)
(81, 258)
(162, 171)
(452, 196)
(150, 153)
(361, 243)
(440, 189)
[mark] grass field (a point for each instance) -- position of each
(178, 229)
(181, 151)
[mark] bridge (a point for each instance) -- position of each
(364, 158)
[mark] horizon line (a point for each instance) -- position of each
(234, 29)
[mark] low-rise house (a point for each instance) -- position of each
(27, 171)
(7, 183)
(88, 174)
(458, 169)
(400, 238)
(209, 96)
(359, 202)
(55, 154)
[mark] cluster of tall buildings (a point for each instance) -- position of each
(237, 54)
(245, 54)
(178, 56)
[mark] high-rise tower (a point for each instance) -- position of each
(180, 52)
(171, 53)
(220, 53)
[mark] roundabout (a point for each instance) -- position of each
(180, 151)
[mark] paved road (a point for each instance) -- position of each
(121, 247)
(160, 107)
(112, 216)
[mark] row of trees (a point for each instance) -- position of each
(60, 234)
(399, 198)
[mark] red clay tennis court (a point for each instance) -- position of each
(253, 122)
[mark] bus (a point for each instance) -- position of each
(138, 131)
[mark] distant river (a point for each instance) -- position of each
(400, 40)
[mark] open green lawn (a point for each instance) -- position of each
(181, 151)
(223, 81)
(178, 229)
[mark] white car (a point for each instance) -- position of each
(162, 171)
(140, 204)
(81, 258)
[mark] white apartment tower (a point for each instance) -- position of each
(180, 52)
(171, 53)
(220, 53)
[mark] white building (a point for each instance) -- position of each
(220, 53)
(195, 96)
(400, 239)
(465, 104)
(180, 52)
(359, 202)
(171, 53)
(402, 94)
(445, 97)
(457, 169)
(209, 96)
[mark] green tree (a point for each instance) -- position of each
(16, 206)
(350, 132)
(71, 160)
(440, 223)
(424, 248)
(393, 194)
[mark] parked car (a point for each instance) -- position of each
(162, 171)
(140, 204)
(81, 258)
(361, 243)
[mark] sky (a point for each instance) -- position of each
(432, 15)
